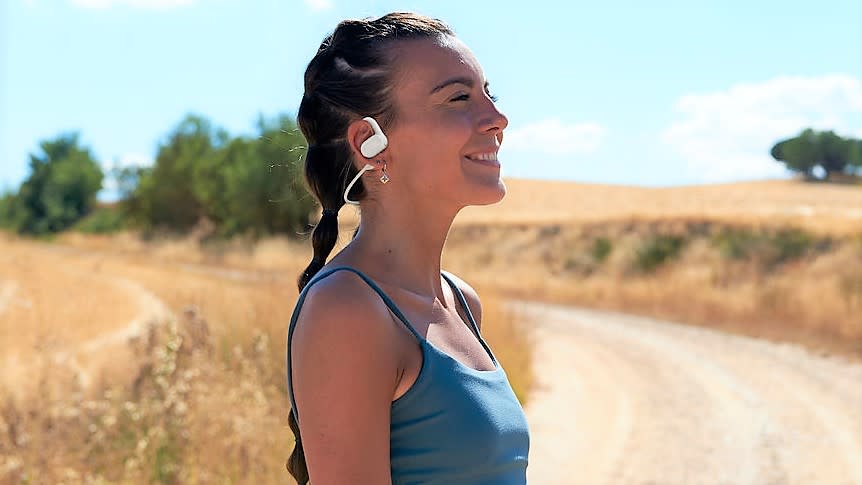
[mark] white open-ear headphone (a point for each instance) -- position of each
(375, 143)
(371, 147)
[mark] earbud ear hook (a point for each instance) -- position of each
(370, 148)
(366, 168)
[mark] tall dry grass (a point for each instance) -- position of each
(201, 397)
(776, 282)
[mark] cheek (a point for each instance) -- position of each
(452, 132)
(431, 147)
(436, 138)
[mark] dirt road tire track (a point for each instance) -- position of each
(106, 353)
(110, 347)
(632, 400)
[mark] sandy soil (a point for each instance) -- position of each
(632, 400)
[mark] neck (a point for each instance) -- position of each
(402, 246)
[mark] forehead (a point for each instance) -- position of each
(425, 63)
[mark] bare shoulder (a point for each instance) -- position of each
(344, 320)
(471, 296)
(344, 372)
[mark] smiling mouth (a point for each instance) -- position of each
(488, 158)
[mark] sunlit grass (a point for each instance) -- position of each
(202, 396)
(199, 397)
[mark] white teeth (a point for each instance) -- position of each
(485, 156)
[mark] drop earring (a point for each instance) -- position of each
(385, 177)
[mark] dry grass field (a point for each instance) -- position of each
(817, 207)
(162, 361)
(832, 209)
(126, 361)
(773, 259)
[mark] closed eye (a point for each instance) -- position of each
(465, 97)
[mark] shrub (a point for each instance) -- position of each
(9, 212)
(789, 244)
(657, 250)
(770, 249)
(102, 221)
(601, 249)
(735, 243)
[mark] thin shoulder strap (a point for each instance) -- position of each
(388, 301)
(463, 302)
(301, 300)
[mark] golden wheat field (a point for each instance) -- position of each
(132, 361)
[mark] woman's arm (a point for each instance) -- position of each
(345, 370)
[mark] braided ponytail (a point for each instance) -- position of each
(350, 77)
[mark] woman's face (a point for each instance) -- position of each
(447, 131)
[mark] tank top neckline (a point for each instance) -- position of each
(424, 342)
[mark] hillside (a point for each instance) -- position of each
(818, 207)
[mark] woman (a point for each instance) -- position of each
(389, 378)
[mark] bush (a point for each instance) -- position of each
(9, 212)
(602, 248)
(789, 244)
(657, 250)
(734, 243)
(102, 221)
(771, 249)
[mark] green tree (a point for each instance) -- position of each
(10, 211)
(243, 185)
(166, 195)
(799, 154)
(834, 152)
(826, 150)
(282, 201)
(855, 158)
(254, 185)
(61, 189)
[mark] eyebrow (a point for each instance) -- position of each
(456, 80)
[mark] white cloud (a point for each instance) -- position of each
(553, 137)
(319, 4)
(727, 135)
(152, 4)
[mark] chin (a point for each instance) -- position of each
(488, 195)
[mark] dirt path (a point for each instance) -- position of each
(66, 316)
(631, 400)
(109, 350)
(8, 289)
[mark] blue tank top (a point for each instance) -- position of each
(455, 425)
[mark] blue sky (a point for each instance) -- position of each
(641, 93)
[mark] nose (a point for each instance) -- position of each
(493, 119)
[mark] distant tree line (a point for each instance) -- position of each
(241, 185)
(60, 190)
(825, 152)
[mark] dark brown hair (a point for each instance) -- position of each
(350, 77)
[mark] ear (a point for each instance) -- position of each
(357, 132)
